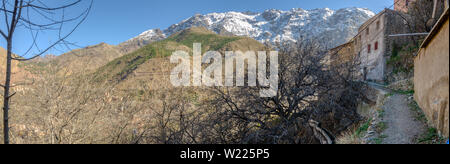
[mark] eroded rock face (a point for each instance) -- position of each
(271, 15)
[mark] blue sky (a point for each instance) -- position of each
(115, 21)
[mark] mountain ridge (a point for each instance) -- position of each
(271, 25)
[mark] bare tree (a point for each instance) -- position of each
(35, 16)
(314, 102)
(175, 120)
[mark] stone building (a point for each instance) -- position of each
(402, 5)
(431, 75)
(341, 54)
(374, 46)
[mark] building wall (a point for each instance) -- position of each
(342, 54)
(341, 57)
(396, 24)
(372, 61)
(402, 5)
(431, 79)
(446, 3)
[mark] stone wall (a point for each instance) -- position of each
(402, 5)
(396, 24)
(431, 77)
(343, 53)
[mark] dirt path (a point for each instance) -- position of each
(401, 125)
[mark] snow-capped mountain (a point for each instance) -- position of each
(328, 26)
(142, 40)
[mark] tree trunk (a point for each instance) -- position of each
(6, 95)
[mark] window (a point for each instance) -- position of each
(369, 48)
(376, 46)
(378, 25)
(367, 31)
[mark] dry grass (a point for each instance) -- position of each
(350, 136)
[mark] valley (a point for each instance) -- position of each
(342, 76)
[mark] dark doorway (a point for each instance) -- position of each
(365, 73)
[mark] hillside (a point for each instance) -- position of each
(78, 60)
(139, 61)
(136, 88)
(19, 74)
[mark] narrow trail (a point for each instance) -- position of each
(401, 125)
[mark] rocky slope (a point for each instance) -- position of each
(19, 74)
(140, 41)
(78, 60)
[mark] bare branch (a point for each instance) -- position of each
(55, 8)
(61, 39)
(3, 34)
(6, 14)
(12, 95)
